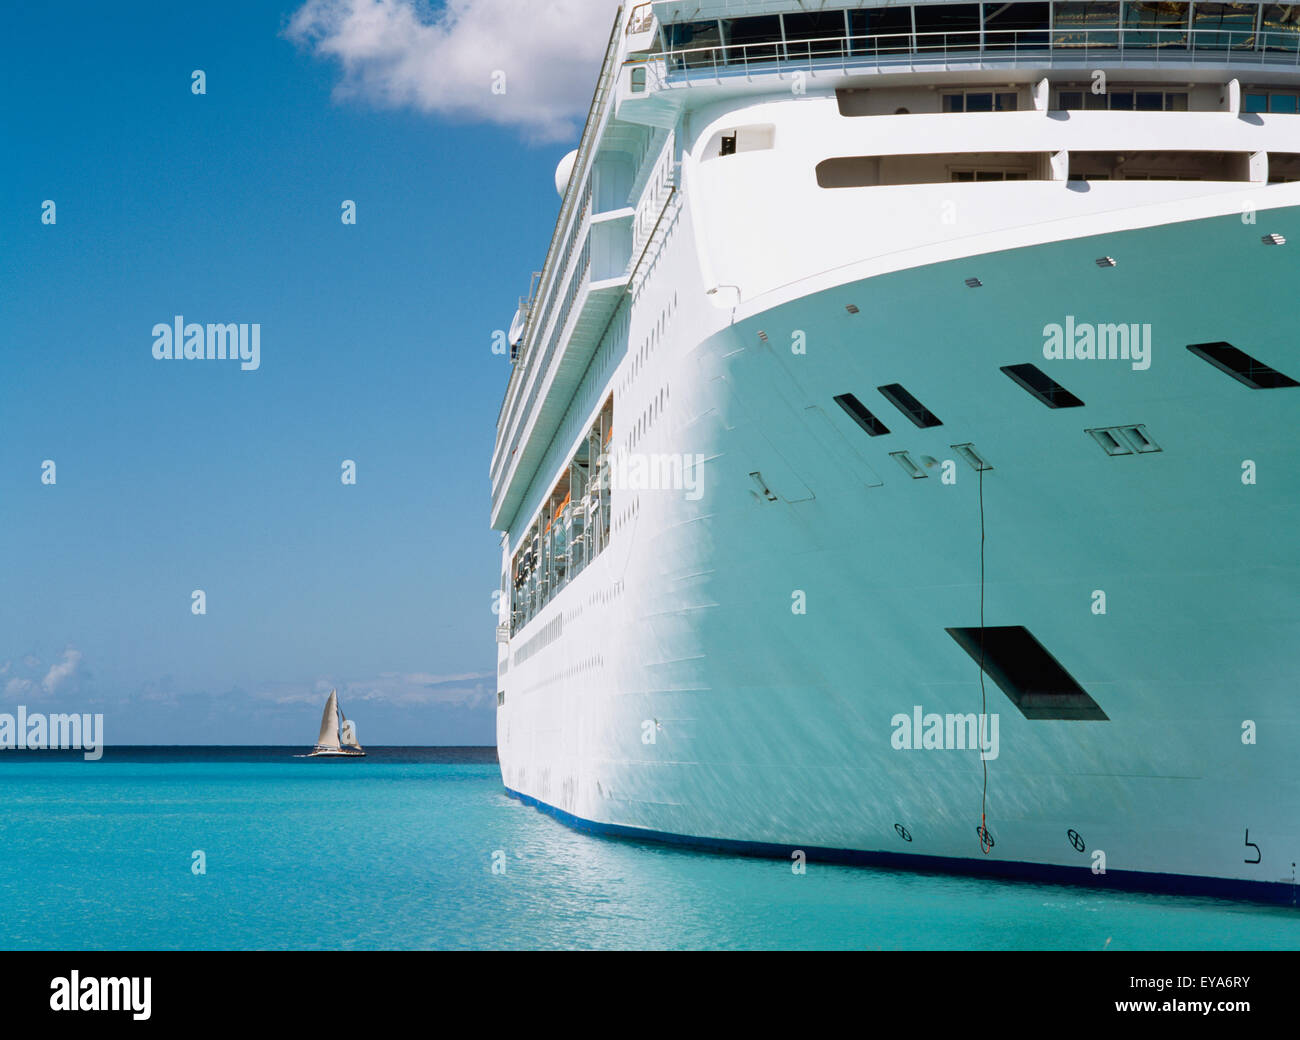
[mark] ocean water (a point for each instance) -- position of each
(396, 852)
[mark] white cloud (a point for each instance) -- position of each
(19, 687)
(398, 53)
(61, 672)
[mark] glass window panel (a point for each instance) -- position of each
(689, 36)
(1086, 25)
(1122, 99)
(979, 102)
(963, 175)
(948, 27)
(954, 103)
(1019, 26)
(989, 175)
(1007, 102)
(1282, 103)
(1095, 102)
(1175, 102)
(751, 39)
(1071, 99)
(814, 33)
(1224, 26)
(1281, 25)
(883, 31)
(1150, 101)
(1155, 24)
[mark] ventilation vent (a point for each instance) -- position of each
(972, 457)
(909, 467)
(1110, 444)
(762, 336)
(858, 413)
(973, 283)
(1042, 386)
(1124, 440)
(852, 308)
(1274, 240)
(1241, 366)
(1105, 261)
(909, 405)
(1031, 677)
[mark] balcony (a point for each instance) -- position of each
(914, 50)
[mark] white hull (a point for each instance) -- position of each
(679, 696)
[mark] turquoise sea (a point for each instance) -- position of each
(397, 852)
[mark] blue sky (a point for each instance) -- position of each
(375, 346)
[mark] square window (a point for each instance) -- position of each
(1070, 100)
(979, 102)
(1006, 102)
(1256, 103)
(954, 103)
(1282, 103)
(1150, 101)
(1175, 102)
(1122, 100)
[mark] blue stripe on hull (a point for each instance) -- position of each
(1275, 892)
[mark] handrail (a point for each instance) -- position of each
(1000, 44)
(642, 17)
(565, 228)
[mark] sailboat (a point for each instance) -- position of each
(338, 735)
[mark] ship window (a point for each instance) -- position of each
(885, 30)
(909, 405)
(1281, 31)
(1167, 25)
(980, 101)
(1089, 25)
(1283, 103)
(858, 412)
(1256, 103)
(1224, 26)
(691, 37)
(1042, 386)
(1241, 366)
(826, 27)
(1016, 26)
(751, 39)
(947, 27)
(1031, 677)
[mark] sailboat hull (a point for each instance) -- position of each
(332, 753)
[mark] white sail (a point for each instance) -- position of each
(348, 734)
(329, 723)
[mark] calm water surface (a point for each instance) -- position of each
(395, 852)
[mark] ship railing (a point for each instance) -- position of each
(641, 19)
(1004, 46)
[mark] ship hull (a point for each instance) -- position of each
(733, 667)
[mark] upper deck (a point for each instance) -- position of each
(667, 56)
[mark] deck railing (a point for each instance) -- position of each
(1011, 46)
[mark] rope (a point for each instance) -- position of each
(986, 845)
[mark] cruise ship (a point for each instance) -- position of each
(898, 464)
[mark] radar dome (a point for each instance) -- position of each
(564, 171)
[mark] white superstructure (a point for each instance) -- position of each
(878, 343)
